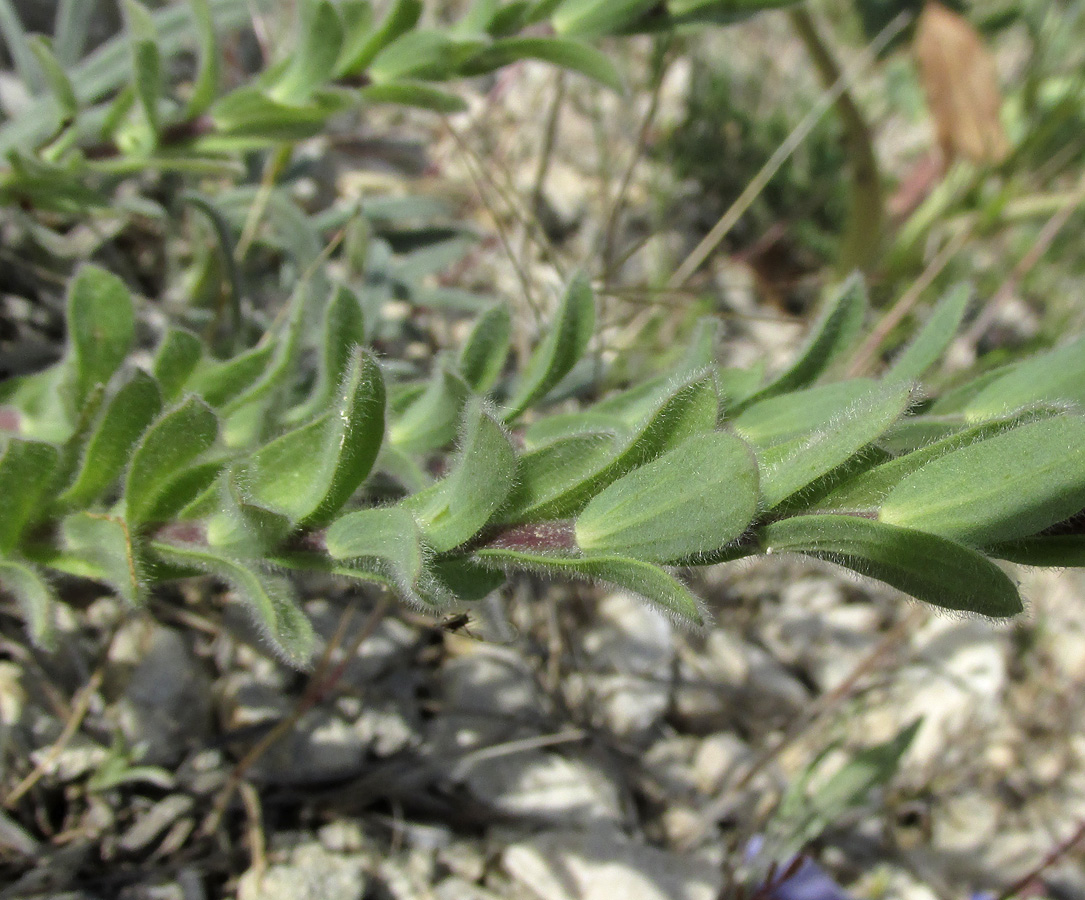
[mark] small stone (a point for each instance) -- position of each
(458, 889)
(718, 758)
(311, 873)
(603, 865)
(488, 697)
(965, 824)
(548, 787)
(166, 706)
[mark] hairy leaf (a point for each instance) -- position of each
(692, 500)
(642, 578)
(35, 597)
(1009, 486)
(453, 510)
(26, 475)
(170, 445)
(308, 473)
(930, 568)
(125, 417)
(565, 342)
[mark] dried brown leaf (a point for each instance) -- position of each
(960, 80)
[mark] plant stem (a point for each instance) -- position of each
(862, 234)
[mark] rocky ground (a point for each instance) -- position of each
(561, 742)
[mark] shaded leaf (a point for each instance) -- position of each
(386, 540)
(36, 598)
(175, 360)
(558, 480)
(1057, 376)
(363, 43)
(313, 60)
(413, 93)
(125, 417)
(206, 85)
(928, 567)
(597, 18)
(642, 578)
(927, 347)
(563, 52)
(170, 445)
(832, 335)
(55, 77)
(453, 510)
(26, 475)
(565, 342)
(270, 598)
(101, 327)
(308, 473)
(102, 545)
(430, 421)
(483, 355)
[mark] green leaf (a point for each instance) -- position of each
(362, 45)
(239, 527)
(270, 598)
(313, 60)
(55, 77)
(783, 418)
(832, 335)
(176, 358)
(426, 54)
(220, 382)
(1054, 377)
(478, 17)
(175, 441)
(558, 480)
(483, 355)
(206, 85)
(1009, 486)
(692, 500)
(927, 567)
(72, 27)
(563, 52)
(413, 93)
(866, 490)
(928, 346)
(641, 578)
(14, 34)
(103, 546)
(307, 474)
(430, 421)
(788, 467)
(146, 61)
(344, 333)
(719, 12)
(249, 113)
(1056, 551)
(847, 788)
(453, 511)
(35, 597)
(101, 327)
(565, 342)
(125, 417)
(589, 421)
(598, 18)
(388, 541)
(26, 476)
